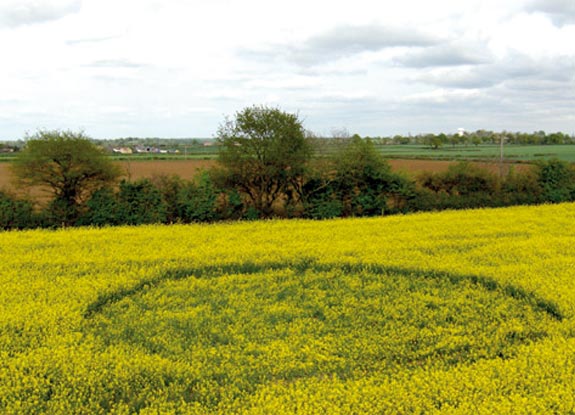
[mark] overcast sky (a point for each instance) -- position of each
(176, 68)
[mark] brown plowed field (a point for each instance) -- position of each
(187, 169)
(415, 167)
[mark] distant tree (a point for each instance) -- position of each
(555, 138)
(434, 141)
(399, 139)
(263, 153)
(66, 164)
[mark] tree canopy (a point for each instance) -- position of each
(264, 152)
(357, 182)
(66, 164)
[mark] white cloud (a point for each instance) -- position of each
(447, 54)
(24, 12)
(562, 12)
(176, 67)
(534, 35)
(443, 96)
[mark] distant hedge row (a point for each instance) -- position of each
(337, 189)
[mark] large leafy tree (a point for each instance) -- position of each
(66, 164)
(264, 152)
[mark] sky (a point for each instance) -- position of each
(178, 68)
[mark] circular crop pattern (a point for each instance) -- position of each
(238, 331)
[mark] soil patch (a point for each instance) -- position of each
(416, 167)
(186, 169)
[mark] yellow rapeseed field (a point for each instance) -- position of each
(453, 313)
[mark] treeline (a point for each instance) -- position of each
(269, 167)
(467, 138)
(357, 182)
(462, 138)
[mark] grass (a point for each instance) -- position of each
(527, 153)
(515, 153)
(484, 152)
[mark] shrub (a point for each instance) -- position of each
(197, 202)
(60, 213)
(170, 188)
(521, 188)
(321, 200)
(230, 205)
(102, 209)
(461, 179)
(557, 180)
(16, 213)
(141, 203)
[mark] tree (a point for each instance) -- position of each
(434, 141)
(365, 181)
(357, 182)
(264, 152)
(66, 164)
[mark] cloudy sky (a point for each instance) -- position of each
(176, 68)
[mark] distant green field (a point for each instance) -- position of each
(416, 151)
(189, 153)
(149, 157)
(412, 151)
(7, 157)
(487, 152)
(481, 152)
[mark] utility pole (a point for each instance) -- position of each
(501, 138)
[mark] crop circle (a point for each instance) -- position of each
(242, 330)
